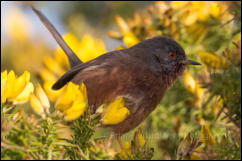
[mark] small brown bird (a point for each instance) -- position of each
(140, 74)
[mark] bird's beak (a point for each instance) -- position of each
(189, 62)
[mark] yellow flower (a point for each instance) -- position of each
(130, 39)
(216, 9)
(194, 87)
(139, 138)
(206, 135)
(3, 85)
(90, 48)
(61, 58)
(199, 94)
(36, 105)
(72, 101)
(24, 95)
(212, 60)
(53, 66)
(39, 102)
(16, 90)
(189, 82)
(126, 151)
(128, 36)
(193, 11)
(86, 49)
(189, 18)
(47, 75)
(52, 94)
(123, 26)
(68, 96)
(114, 112)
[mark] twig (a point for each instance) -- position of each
(232, 120)
(80, 152)
(4, 145)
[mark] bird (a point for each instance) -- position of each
(140, 74)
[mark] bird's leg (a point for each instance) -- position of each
(109, 140)
(120, 142)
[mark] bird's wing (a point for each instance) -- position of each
(107, 79)
(69, 75)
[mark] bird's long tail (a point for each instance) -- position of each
(72, 57)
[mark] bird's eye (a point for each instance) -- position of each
(172, 54)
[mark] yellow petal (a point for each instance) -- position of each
(76, 110)
(47, 75)
(203, 13)
(61, 59)
(190, 18)
(90, 48)
(36, 105)
(130, 39)
(139, 138)
(11, 79)
(114, 35)
(3, 86)
(16, 85)
(68, 96)
(214, 9)
(24, 95)
(206, 135)
(83, 90)
(53, 66)
(4, 74)
(212, 60)
(17, 90)
(115, 112)
(199, 91)
(127, 145)
(189, 82)
(21, 82)
(52, 94)
(127, 150)
(123, 26)
(42, 97)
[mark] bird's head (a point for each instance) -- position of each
(167, 54)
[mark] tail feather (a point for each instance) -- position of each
(72, 57)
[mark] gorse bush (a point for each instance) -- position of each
(198, 118)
